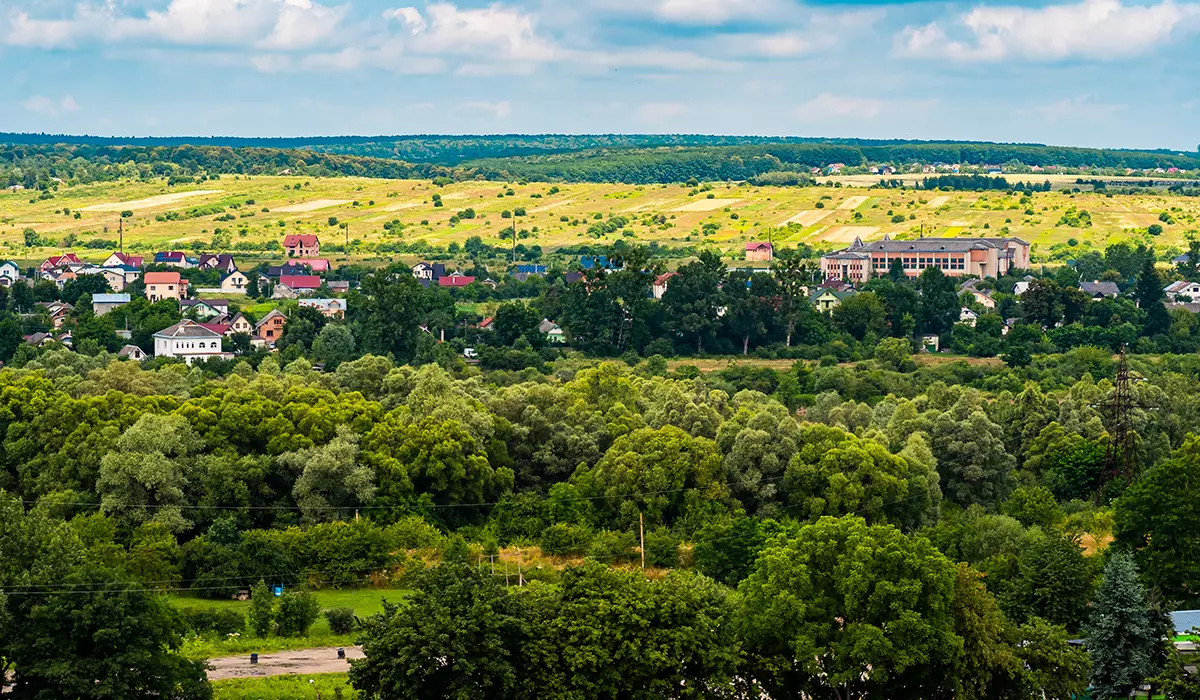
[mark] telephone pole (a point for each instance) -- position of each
(642, 536)
(121, 233)
(514, 242)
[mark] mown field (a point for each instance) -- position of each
(264, 209)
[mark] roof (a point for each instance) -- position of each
(169, 255)
(1108, 289)
(301, 239)
(110, 298)
(187, 328)
(548, 326)
(274, 313)
(232, 273)
(455, 280)
(210, 303)
(162, 278)
(838, 294)
(1178, 286)
(290, 268)
(315, 264)
(926, 245)
(757, 245)
(219, 259)
(300, 281)
(531, 269)
(130, 260)
(1184, 620)
(129, 350)
(221, 328)
(590, 261)
(662, 279)
(56, 260)
(335, 304)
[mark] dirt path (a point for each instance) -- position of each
(282, 663)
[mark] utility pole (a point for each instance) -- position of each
(346, 250)
(121, 233)
(642, 536)
(1121, 459)
(514, 242)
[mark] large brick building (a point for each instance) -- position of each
(957, 257)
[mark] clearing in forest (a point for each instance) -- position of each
(148, 202)
(707, 205)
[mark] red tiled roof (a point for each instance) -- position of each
(302, 239)
(221, 328)
(316, 264)
(455, 280)
(300, 281)
(755, 245)
(130, 260)
(162, 278)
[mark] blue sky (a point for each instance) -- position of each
(1092, 72)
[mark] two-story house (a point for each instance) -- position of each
(270, 327)
(188, 340)
(165, 285)
(301, 245)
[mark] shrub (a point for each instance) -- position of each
(610, 547)
(662, 548)
(341, 620)
(564, 539)
(297, 611)
(262, 610)
(413, 532)
(214, 620)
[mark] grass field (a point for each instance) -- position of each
(295, 687)
(364, 602)
(263, 209)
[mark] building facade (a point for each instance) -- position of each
(165, 285)
(187, 340)
(957, 257)
(301, 245)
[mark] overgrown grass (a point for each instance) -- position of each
(296, 687)
(363, 602)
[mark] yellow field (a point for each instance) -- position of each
(265, 209)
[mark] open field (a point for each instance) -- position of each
(262, 210)
(297, 687)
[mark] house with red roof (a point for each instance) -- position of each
(301, 245)
(291, 286)
(455, 279)
(314, 264)
(165, 285)
(760, 251)
(57, 261)
(660, 284)
(122, 260)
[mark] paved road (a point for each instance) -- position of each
(281, 663)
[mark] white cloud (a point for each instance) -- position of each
(709, 12)
(269, 24)
(50, 107)
(500, 110)
(495, 32)
(657, 112)
(1083, 107)
(1091, 29)
(785, 45)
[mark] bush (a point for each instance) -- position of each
(341, 620)
(296, 612)
(563, 539)
(214, 620)
(262, 610)
(662, 548)
(612, 547)
(414, 532)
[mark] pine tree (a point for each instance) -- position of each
(1121, 637)
(1150, 297)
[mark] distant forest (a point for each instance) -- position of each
(31, 159)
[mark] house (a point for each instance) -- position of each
(486, 324)
(301, 245)
(1190, 290)
(187, 340)
(983, 298)
(165, 285)
(132, 352)
(217, 261)
(967, 316)
(57, 311)
(9, 273)
(455, 279)
(826, 300)
(59, 277)
(760, 251)
(659, 288)
(1100, 290)
(594, 262)
(276, 271)
(234, 283)
(1021, 287)
(427, 273)
(522, 273)
(315, 264)
(270, 327)
(103, 303)
(573, 277)
(175, 258)
(553, 333)
(240, 324)
(39, 339)
(119, 278)
(122, 260)
(57, 261)
(204, 308)
(956, 257)
(339, 286)
(329, 308)
(291, 286)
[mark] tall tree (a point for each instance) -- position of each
(387, 313)
(1121, 637)
(939, 308)
(1150, 297)
(692, 302)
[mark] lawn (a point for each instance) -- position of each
(264, 209)
(295, 687)
(364, 602)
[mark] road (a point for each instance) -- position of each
(281, 663)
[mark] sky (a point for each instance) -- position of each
(1102, 73)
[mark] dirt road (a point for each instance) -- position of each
(281, 663)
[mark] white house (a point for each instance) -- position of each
(103, 303)
(9, 273)
(553, 333)
(967, 316)
(187, 340)
(234, 283)
(132, 352)
(1183, 288)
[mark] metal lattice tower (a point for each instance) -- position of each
(1121, 460)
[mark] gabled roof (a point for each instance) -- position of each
(289, 268)
(220, 260)
(213, 304)
(220, 328)
(1178, 286)
(170, 256)
(1108, 289)
(233, 321)
(232, 273)
(130, 260)
(299, 239)
(531, 269)
(129, 351)
(832, 292)
(187, 328)
(547, 326)
(110, 298)
(273, 314)
(300, 281)
(662, 279)
(315, 264)
(758, 245)
(163, 278)
(455, 280)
